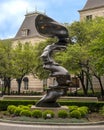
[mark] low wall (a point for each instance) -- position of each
(14, 97)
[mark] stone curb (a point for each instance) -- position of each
(56, 124)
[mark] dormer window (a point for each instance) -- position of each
(25, 32)
(89, 17)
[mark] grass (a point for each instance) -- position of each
(48, 121)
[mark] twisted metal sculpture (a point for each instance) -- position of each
(48, 27)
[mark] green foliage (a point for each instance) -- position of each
(93, 106)
(37, 113)
(30, 105)
(20, 106)
(82, 111)
(62, 114)
(24, 107)
(16, 62)
(88, 40)
(5, 103)
(11, 109)
(48, 114)
(75, 114)
(84, 108)
(17, 111)
(6, 59)
(25, 113)
(24, 59)
(71, 108)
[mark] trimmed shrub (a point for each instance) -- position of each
(83, 113)
(84, 108)
(37, 113)
(17, 111)
(11, 109)
(75, 114)
(24, 107)
(25, 113)
(48, 114)
(71, 108)
(20, 106)
(30, 105)
(62, 114)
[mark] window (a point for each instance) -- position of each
(26, 81)
(89, 17)
(25, 32)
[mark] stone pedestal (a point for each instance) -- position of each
(51, 96)
(54, 109)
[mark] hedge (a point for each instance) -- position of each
(93, 106)
(5, 103)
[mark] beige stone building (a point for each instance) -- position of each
(28, 33)
(92, 9)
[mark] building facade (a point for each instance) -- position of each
(28, 33)
(92, 9)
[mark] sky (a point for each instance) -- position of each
(12, 12)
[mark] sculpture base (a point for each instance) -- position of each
(49, 100)
(47, 104)
(54, 109)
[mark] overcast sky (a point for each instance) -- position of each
(12, 12)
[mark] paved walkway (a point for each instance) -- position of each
(9, 126)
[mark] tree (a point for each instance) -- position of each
(97, 58)
(6, 64)
(87, 34)
(24, 61)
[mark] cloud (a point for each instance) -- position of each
(11, 8)
(12, 12)
(10, 15)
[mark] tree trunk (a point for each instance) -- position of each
(7, 85)
(81, 77)
(19, 81)
(88, 80)
(101, 85)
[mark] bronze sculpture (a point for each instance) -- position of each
(48, 27)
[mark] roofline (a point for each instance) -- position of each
(90, 8)
(7, 39)
(20, 38)
(23, 38)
